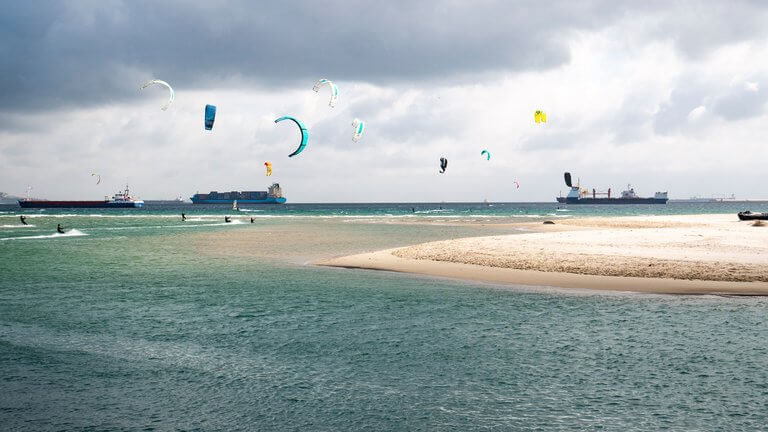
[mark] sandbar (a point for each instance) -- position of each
(685, 254)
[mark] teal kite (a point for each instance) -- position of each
(304, 135)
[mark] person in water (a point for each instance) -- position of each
(251, 220)
(227, 219)
(59, 229)
(413, 209)
(23, 219)
(183, 217)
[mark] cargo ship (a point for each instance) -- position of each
(577, 195)
(122, 199)
(274, 195)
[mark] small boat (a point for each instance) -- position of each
(748, 215)
(234, 205)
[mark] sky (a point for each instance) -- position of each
(665, 95)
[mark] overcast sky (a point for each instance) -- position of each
(666, 95)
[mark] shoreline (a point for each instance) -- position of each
(689, 254)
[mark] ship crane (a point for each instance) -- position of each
(596, 193)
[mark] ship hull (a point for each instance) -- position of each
(268, 200)
(612, 201)
(80, 204)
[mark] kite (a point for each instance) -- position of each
(163, 83)
(334, 90)
(302, 129)
(359, 127)
(210, 116)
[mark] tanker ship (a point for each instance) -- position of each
(122, 199)
(274, 195)
(577, 195)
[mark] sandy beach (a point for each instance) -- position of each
(691, 254)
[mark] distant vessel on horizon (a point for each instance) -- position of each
(577, 195)
(697, 199)
(273, 195)
(122, 199)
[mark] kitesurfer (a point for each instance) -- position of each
(413, 209)
(227, 219)
(23, 219)
(59, 229)
(183, 217)
(251, 220)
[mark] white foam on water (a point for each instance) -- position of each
(234, 222)
(182, 225)
(16, 226)
(432, 211)
(70, 233)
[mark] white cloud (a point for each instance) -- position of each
(697, 113)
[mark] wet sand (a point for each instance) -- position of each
(692, 254)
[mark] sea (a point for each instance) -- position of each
(136, 320)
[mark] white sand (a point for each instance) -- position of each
(674, 254)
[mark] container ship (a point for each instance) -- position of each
(122, 199)
(577, 195)
(274, 195)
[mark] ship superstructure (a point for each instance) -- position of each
(273, 195)
(579, 195)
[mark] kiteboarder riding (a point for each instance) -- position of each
(23, 219)
(59, 229)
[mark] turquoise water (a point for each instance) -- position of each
(142, 322)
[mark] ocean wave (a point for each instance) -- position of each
(186, 224)
(432, 211)
(70, 233)
(97, 215)
(425, 214)
(380, 216)
(16, 226)
(234, 222)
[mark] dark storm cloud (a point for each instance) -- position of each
(70, 53)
